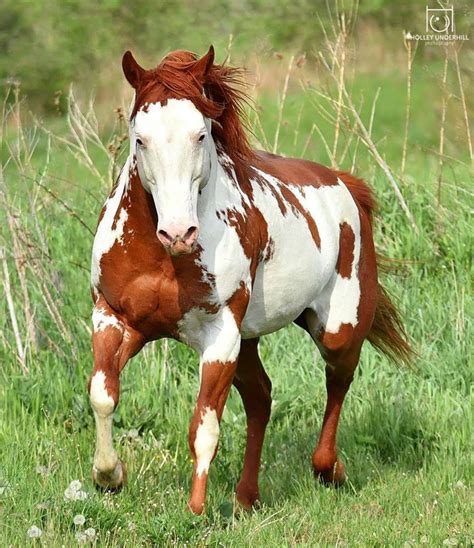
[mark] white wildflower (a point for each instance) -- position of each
(79, 519)
(133, 434)
(74, 492)
(81, 537)
(90, 533)
(34, 532)
(81, 495)
(75, 485)
(42, 469)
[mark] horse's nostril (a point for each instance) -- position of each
(164, 236)
(191, 234)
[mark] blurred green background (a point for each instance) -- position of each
(47, 44)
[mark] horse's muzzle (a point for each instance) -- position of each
(176, 243)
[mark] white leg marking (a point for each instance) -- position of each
(105, 458)
(207, 436)
(101, 320)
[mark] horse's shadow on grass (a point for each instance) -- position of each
(371, 442)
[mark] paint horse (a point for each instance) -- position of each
(214, 244)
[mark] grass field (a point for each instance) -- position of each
(405, 433)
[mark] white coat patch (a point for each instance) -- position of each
(207, 436)
(215, 336)
(101, 320)
(102, 403)
(106, 236)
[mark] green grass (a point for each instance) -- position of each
(405, 433)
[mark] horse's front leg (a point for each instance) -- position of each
(217, 367)
(113, 344)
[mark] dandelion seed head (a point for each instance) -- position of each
(34, 532)
(90, 533)
(75, 485)
(74, 492)
(133, 434)
(79, 519)
(81, 537)
(42, 469)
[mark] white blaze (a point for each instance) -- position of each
(173, 163)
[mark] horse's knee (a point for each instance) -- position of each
(337, 342)
(103, 392)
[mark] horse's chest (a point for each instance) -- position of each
(156, 302)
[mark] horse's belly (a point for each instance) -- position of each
(301, 266)
(287, 283)
(276, 301)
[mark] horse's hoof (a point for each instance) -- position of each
(196, 508)
(334, 476)
(110, 482)
(247, 499)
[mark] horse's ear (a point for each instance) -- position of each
(132, 70)
(202, 66)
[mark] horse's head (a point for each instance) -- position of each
(171, 140)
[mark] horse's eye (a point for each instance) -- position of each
(139, 142)
(201, 138)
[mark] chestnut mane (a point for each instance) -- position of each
(220, 98)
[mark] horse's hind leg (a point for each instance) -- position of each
(113, 344)
(339, 373)
(254, 387)
(341, 349)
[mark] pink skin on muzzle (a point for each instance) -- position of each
(178, 240)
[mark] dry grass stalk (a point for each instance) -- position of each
(282, 104)
(369, 143)
(20, 259)
(464, 107)
(339, 50)
(229, 48)
(352, 132)
(84, 135)
(308, 140)
(411, 52)
(372, 111)
(30, 254)
(296, 132)
(255, 121)
(20, 353)
(444, 106)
